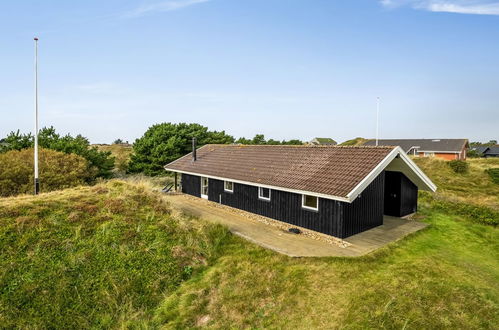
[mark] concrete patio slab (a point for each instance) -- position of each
(293, 245)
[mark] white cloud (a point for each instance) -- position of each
(162, 6)
(476, 7)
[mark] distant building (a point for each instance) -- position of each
(487, 152)
(448, 149)
(323, 142)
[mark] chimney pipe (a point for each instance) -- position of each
(194, 149)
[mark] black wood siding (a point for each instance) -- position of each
(408, 196)
(401, 195)
(334, 218)
(283, 206)
(366, 211)
(191, 184)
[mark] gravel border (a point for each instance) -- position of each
(273, 222)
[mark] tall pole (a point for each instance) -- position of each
(377, 120)
(37, 182)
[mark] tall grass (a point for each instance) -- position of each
(474, 187)
(101, 256)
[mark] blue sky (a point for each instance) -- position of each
(284, 68)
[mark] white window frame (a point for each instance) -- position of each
(225, 186)
(308, 207)
(262, 197)
(207, 187)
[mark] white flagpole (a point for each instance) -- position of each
(377, 120)
(37, 182)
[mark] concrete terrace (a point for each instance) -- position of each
(293, 245)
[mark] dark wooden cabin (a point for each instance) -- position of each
(339, 191)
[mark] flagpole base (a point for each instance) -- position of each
(37, 186)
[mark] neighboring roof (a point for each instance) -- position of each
(325, 141)
(480, 150)
(339, 173)
(433, 145)
(494, 150)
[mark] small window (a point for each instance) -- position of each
(310, 202)
(229, 186)
(264, 193)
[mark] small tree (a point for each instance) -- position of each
(118, 141)
(163, 143)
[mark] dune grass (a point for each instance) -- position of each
(114, 256)
(446, 276)
(101, 256)
(475, 187)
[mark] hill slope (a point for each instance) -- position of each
(113, 255)
(94, 257)
(475, 187)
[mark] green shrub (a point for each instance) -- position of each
(79, 145)
(494, 174)
(459, 166)
(57, 170)
(163, 143)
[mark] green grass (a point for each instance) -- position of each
(95, 257)
(446, 276)
(354, 142)
(475, 187)
(114, 256)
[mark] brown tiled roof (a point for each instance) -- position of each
(327, 170)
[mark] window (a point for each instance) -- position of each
(264, 193)
(229, 186)
(429, 154)
(310, 202)
(204, 187)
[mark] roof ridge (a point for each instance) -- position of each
(298, 146)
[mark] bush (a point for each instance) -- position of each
(494, 174)
(163, 143)
(79, 145)
(57, 171)
(459, 166)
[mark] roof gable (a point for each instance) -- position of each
(329, 172)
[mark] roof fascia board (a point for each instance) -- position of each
(301, 192)
(440, 152)
(382, 165)
(419, 172)
(352, 195)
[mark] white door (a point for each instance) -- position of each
(204, 187)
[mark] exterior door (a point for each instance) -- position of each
(204, 187)
(392, 194)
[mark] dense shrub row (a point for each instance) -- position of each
(57, 171)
